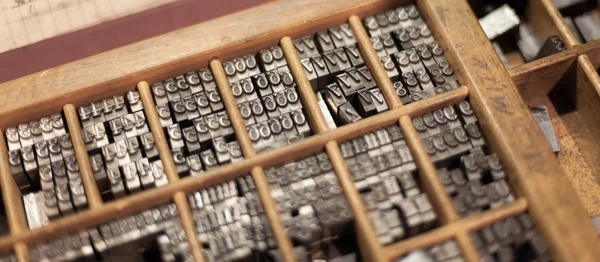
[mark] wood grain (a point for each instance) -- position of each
(533, 170)
(11, 194)
(162, 195)
(92, 193)
(448, 231)
(547, 21)
(179, 197)
(371, 249)
(258, 175)
(537, 78)
(579, 153)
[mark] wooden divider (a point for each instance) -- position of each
(547, 21)
(532, 168)
(179, 197)
(262, 186)
(367, 237)
(461, 226)
(373, 62)
(145, 199)
(430, 180)
(587, 94)
(85, 169)
(13, 203)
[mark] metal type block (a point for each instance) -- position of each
(158, 171)
(78, 194)
(342, 35)
(192, 144)
(301, 123)
(475, 134)
(246, 113)
(175, 136)
(25, 135)
(238, 93)
(164, 115)
(305, 47)
(208, 159)
(499, 21)
(133, 149)
(35, 210)
(282, 103)
(180, 161)
(310, 72)
(207, 79)
(258, 110)
(372, 26)
(588, 24)
(540, 114)
(117, 130)
(148, 145)
(225, 127)
(271, 58)
(183, 88)
(36, 131)
(321, 70)
(60, 174)
(388, 44)
(195, 165)
(193, 80)
(348, 85)
(378, 46)
(203, 131)
(275, 81)
(336, 61)
(12, 139)
(262, 84)
(347, 114)
(402, 93)
(72, 168)
(214, 99)
(131, 178)
(145, 174)
(271, 106)
(324, 42)
(334, 97)
(121, 153)
(171, 89)
(425, 81)
(159, 92)
(64, 199)
(116, 184)
(191, 107)
(286, 77)
(551, 46)
(202, 104)
(221, 151)
(50, 203)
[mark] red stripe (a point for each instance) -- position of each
(112, 34)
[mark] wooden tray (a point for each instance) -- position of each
(540, 184)
(568, 84)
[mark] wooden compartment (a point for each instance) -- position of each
(534, 173)
(567, 83)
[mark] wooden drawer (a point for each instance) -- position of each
(498, 97)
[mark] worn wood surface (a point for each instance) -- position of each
(579, 153)
(533, 170)
(547, 21)
(537, 78)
